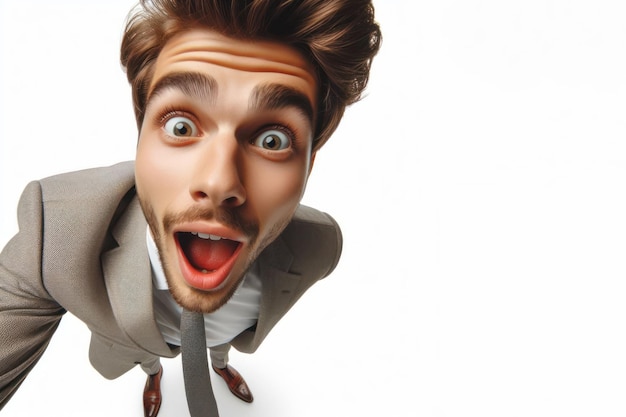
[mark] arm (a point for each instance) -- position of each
(28, 314)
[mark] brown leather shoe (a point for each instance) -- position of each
(235, 382)
(152, 395)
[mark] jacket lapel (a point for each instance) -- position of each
(128, 278)
(281, 288)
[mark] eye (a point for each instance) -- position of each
(180, 127)
(273, 140)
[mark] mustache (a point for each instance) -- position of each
(226, 217)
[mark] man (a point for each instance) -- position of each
(232, 100)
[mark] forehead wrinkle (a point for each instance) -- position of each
(278, 96)
(195, 85)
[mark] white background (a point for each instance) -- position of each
(481, 190)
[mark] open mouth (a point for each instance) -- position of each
(206, 260)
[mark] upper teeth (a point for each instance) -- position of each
(206, 236)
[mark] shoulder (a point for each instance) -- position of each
(96, 183)
(315, 240)
(63, 221)
(67, 194)
(310, 223)
(79, 207)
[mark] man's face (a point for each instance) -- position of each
(223, 157)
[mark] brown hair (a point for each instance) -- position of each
(339, 37)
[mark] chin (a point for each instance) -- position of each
(193, 299)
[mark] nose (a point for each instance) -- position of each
(217, 174)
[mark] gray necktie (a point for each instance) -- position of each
(200, 398)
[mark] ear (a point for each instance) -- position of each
(312, 162)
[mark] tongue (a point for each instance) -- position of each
(209, 254)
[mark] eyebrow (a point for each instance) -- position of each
(278, 96)
(198, 86)
(204, 88)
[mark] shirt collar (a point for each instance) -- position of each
(158, 276)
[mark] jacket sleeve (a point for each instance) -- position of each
(28, 314)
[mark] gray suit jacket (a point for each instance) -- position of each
(81, 247)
